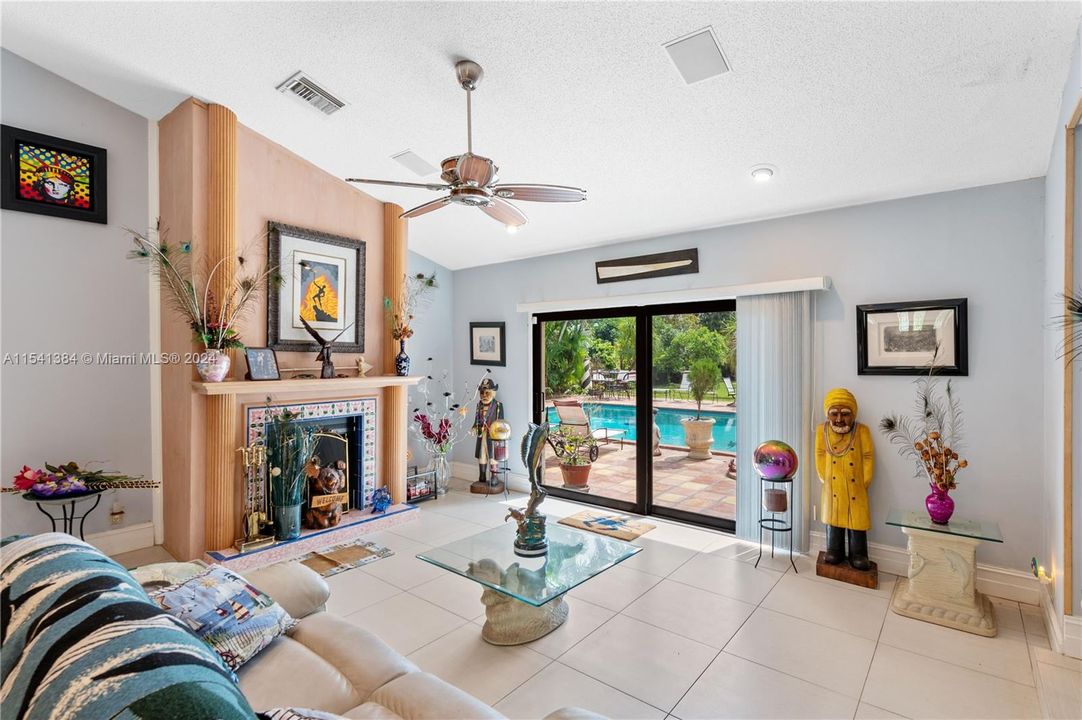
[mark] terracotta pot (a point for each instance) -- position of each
(213, 365)
(699, 436)
(775, 500)
(576, 477)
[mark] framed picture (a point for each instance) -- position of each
(904, 338)
(51, 176)
(262, 364)
(323, 282)
(676, 262)
(486, 343)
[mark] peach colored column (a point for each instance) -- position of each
(221, 245)
(394, 412)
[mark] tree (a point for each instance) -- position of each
(704, 377)
(625, 343)
(565, 355)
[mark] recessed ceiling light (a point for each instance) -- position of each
(512, 229)
(698, 55)
(763, 173)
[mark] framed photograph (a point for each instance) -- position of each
(486, 343)
(677, 262)
(262, 364)
(904, 338)
(323, 282)
(52, 176)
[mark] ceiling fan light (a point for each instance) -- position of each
(512, 229)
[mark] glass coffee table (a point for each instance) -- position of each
(941, 586)
(523, 596)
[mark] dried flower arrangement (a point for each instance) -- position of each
(413, 294)
(934, 436)
(70, 479)
(213, 320)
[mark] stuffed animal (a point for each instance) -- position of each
(328, 480)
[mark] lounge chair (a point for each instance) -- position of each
(572, 415)
(729, 387)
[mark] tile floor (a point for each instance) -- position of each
(690, 630)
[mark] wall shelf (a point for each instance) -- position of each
(319, 386)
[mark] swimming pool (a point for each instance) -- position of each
(622, 417)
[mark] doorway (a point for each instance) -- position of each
(641, 402)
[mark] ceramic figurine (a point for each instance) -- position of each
(845, 461)
(363, 366)
(381, 500)
(530, 539)
(489, 410)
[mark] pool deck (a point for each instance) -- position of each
(698, 486)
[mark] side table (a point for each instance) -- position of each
(941, 586)
(67, 505)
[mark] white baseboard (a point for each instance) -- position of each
(999, 582)
(122, 540)
(1072, 636)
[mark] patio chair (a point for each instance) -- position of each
(729, 387)
(572, 415)
(685, 385)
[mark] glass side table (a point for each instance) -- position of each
(941, 586)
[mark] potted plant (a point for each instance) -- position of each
(699, 431)
(212, 319)
(576, 450)
(289, 449)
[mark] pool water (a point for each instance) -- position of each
(622, 417)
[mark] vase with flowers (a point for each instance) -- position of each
(213, 319)
(70, 480)
(413, 294)
(932, 439)
(439, 421)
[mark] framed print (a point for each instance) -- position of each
(52, 176)
(904, 338)
(677, 262)
(487, 343)
(262, 364)
(322, 281)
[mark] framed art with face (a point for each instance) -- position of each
(911, 338)
(51, 176)
(322, 281)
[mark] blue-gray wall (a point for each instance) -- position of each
(982, 243)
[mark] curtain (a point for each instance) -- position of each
(775, 352)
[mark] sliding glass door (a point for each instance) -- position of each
(641, 403)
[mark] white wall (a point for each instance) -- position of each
(982, 243)
(433, 338)
(67, 287)
(1052, 305)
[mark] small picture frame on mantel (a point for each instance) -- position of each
(912, 338)
(262, 364)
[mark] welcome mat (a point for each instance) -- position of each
(339, 558)
(620, 527)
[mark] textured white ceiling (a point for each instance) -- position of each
(853, 102)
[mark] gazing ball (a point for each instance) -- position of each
(775, 460)
(499, 430)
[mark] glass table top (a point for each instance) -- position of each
(574, 556)
(963, 527)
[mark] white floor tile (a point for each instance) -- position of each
(403, 569)
(433, 528)
(698, 614)
(616, 588)
(736, 688)
(488, 672)
(1061, 689)
(730, 578)
(658, 557)
(490, 511)
(454, 593)
(582, 619)
(828, 605)
(405, 622)
(749, 553)
(559, 686)
(684, 536)
(1005, 655)
(354, 590)
(1045, 655)
(1008, 614)
(871, 712)
(653, 665)
(823, 656)
(1033, 620)
(920, 687)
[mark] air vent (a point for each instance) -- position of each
(414, 162)
(307, 90)
(698, 56)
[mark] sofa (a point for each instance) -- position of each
(80, 633)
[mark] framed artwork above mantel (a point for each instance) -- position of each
(322, 281)
(912, 338)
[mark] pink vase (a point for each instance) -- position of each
(940, 506)
(212, 365)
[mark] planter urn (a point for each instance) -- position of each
(576, 477)
(699, 436)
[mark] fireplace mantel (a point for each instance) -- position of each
(314, 386)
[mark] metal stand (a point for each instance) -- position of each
(67, 510)
(774, 523)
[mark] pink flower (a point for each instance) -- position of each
(27, 478)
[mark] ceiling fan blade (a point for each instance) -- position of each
(539, 193)
(395, 183)
(426, 208)
(504, 212)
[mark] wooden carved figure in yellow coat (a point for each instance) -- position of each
(845, 461)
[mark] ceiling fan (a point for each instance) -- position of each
(471, 179)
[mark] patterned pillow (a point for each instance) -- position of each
(231, 616)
